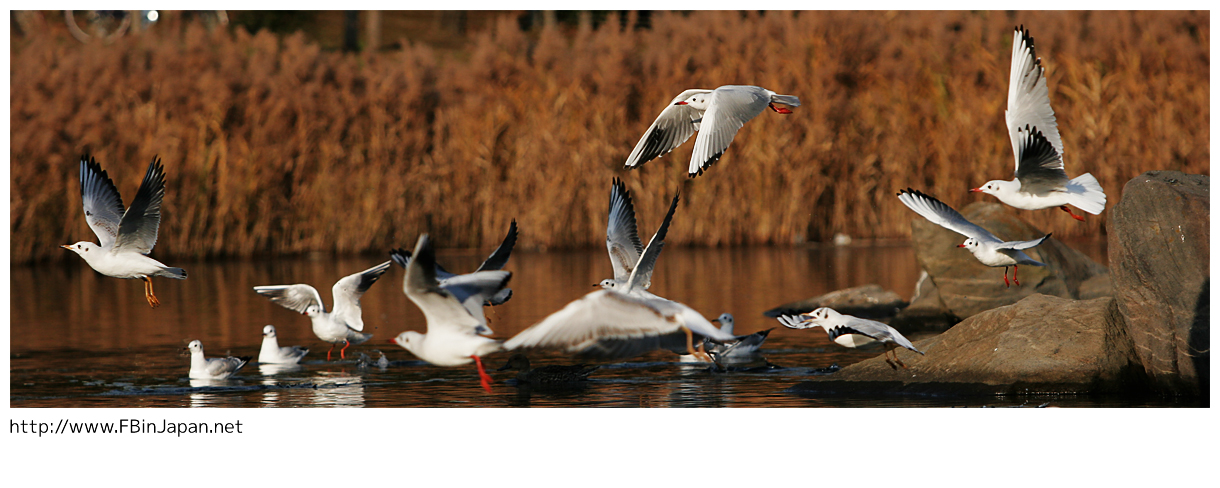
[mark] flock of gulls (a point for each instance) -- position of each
(622, 318)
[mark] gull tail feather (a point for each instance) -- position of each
(790, 100)
(1086, 194)
(176, 273)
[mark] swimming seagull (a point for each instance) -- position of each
(272, 353)
(624, 321)
(343, 325)
(987, 248)
(851, 331)
(453, 333)
(215, 368)
(473, 298)
(716, 114)
(125, 237)
(1040, 180)
(740, 346)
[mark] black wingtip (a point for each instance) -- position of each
(400, 256)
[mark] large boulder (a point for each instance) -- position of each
(1159, 257)
(967, 287)
(1042, 344)
(868, 301)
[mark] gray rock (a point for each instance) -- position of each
(1158, 247)
(1041, 344)
(967, 287)
(926, 311)
(868, 301)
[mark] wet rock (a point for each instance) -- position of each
(868, 301)
(967, 287)
(1042, 344)
(1158, 247)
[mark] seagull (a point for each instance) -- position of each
(212, 369)
(473, 298)
(343, 325)
(453, 332)
(987, 248)
(622, 239)
(125, 237)
(273, 353)
(624, 321)
(851, 331)
(1040, 180)
(740, 346)
(717, 115)
(546, 374)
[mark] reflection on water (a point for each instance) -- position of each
(79, 339)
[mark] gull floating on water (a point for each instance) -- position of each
(453, 332)
(851, 331)
(125, 237)
(272, 353)
(344, 324)
(624, 321)
(985, 246)
(739, 347)
(468, 288)
(716, 114)
(1040, 180)
(215, 368)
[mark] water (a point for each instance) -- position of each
(79, 339)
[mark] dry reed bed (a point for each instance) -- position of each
(273, 146)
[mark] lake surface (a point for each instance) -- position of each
(79, 339)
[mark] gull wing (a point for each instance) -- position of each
(622, 239)
(474, 290)
(296, 297)
(499, 257)
(103, 206)
(871, 328)
(641, 276)
(729, 109)
(440, 307)
(1039, 166)
(1029, 102)
(673, 127)
(230, 365)
(943, 215)
(347, 293)
(1022, 244)
(138, 228)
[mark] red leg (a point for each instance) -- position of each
(483, 378)
(1014, 275)
(345, 344)
(1069, 211)
(1006, 277)
(779, 110)
(332, 347)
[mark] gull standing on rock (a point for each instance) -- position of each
(344, 324)
(623, 321)
(125, 237)
(212, 369)
(851, 331)
(452, 336)
(985, 246)
(1040, 180)
(272, 353)
(716, 114)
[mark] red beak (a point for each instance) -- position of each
(392, 340)
(680, 103)
(959, 245)
(976, 189)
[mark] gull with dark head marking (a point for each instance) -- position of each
(1040, 180)
(124, 237)
(716, 114)
(624, 321)
(344, 324)
(851, 331)
(985, 246)
(272, 353)
(215, 368)
(452, 336)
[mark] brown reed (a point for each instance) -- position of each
(273, 145)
